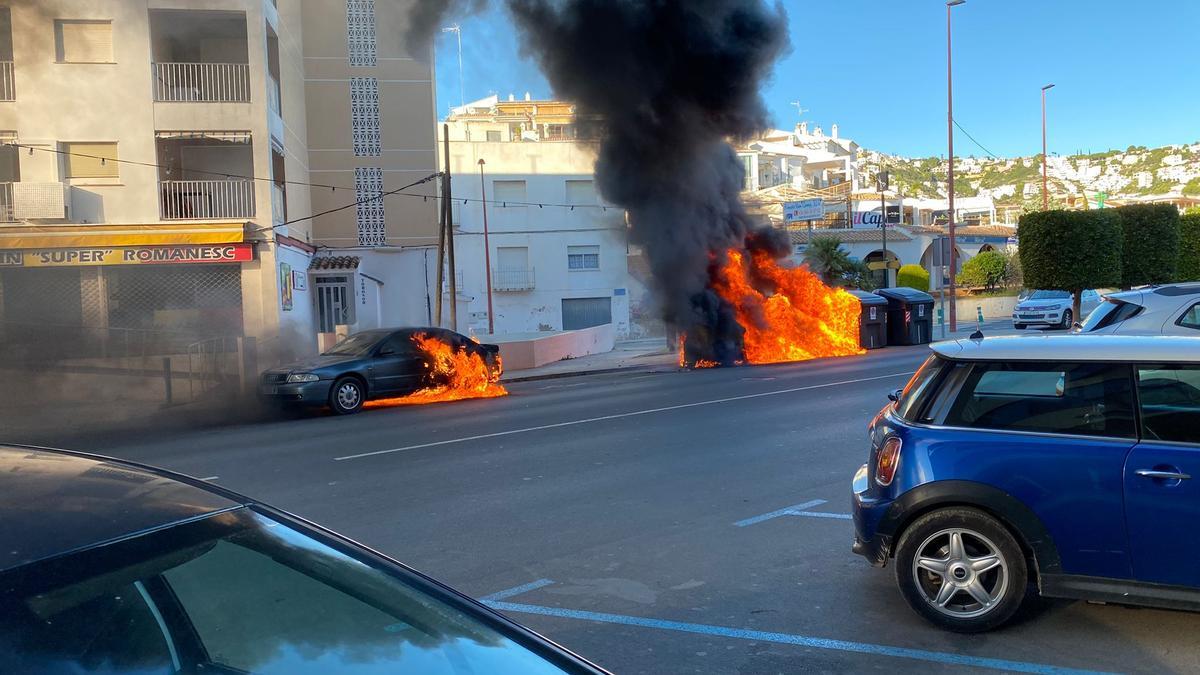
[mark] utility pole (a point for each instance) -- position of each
(443, 205)
(449, 234)
(881, 182)
(950, 172)
(1045, 192)
(487, 249)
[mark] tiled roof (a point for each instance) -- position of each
(800, 236)
(334, 262)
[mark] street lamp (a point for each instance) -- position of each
(950, 171)
(457, 30)
(1045, 193)
(487, 249)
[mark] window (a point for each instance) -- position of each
(581, 192)
(1191, 318)
(369, 213)
(918, 389)
(506, 191)
(364, 116)
(583, 257)
(335, 302)
(586, 312)
(493, 136)
(83, 41)
(91, 160)
(1093, 399)
(1170, 400)
(360, 32)
(1109, 313)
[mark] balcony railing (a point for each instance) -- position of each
(8, 82)
(512, 280)
(6, 203)
(197, 199)
(202, 82)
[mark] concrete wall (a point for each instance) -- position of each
(530, 351)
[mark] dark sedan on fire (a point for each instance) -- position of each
(380, 363)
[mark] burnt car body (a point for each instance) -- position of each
(371, 364)
(114, 567)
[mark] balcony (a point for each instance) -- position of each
(512, 280)
(32, 201)
(202, 82)
(8, 82)
(207, 199)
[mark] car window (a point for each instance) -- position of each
(917, 391)
(1082, 398)
(1191, 318)
(400, 344)
(240, 592)
(1169, 397)
(1050, 295)
(354, 345)
(1109, 312)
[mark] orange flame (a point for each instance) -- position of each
(803, 318)
(463, 374)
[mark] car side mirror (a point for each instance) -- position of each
(895, 395)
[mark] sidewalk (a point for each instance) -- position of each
(627, 355)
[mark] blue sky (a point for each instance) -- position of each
(1127, 73)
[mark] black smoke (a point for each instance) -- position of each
(673, 80)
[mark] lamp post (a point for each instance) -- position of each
(487, 249)
(1045, 193)
(950, 171)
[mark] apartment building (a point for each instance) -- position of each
(557, 253)
(163, 159)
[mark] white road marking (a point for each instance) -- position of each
(210, 478)
(620, 415)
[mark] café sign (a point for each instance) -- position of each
(128, 255)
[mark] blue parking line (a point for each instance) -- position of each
(786, 511)
(783, 638)
(818, 514)
(516, 590)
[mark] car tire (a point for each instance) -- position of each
(347, 395)
(1067, 319)
(976, 554)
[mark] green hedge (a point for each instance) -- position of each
(985, 270)
(1189, 247)
(1071, 250)
(1151, 247)
(913, 276)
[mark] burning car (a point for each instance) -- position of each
(389, 366)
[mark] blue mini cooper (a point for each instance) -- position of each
(1066, 461)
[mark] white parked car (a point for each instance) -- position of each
(1051, 309)
(1172, 309)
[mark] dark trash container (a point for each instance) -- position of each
(872, 324)
(910, 316)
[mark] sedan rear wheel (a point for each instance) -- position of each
(1067, 319)
(347, 396)
(961, 569)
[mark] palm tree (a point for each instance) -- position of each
(827, 259)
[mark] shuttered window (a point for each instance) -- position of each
(91, 160)
(83, 41)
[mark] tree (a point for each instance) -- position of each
(858, 275)
(913, 276)
(1151, 247)
(1188, 268)
(1071, 250)
(1013, 278)
(986, 269)
(1192, 187)
(827, 259)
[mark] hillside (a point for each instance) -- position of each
(1132, 172)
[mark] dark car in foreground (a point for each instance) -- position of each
(110, 567)
(1070, 461)
(372, 364)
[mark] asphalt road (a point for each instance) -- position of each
(612, 502)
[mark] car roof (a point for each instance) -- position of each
(54, 502)
(1074, 347)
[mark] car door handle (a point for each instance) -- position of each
(1162, 475)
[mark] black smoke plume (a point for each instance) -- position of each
(673, 80)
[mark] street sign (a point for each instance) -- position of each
(892, 264)
(805, 209)
(882, 181)
(893, 215)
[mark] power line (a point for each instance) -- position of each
(968, 135)
(351, 205)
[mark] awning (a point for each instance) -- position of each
(334, 262)
(74, 236)
(227, 136)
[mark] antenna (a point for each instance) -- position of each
(799, 111)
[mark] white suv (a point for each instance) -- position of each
(1154, 310)
(1051, 309)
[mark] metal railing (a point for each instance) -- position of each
(202, 82)
(8, 82)
(212, 363)
(6, 203)
(512, 280)
(194, 199)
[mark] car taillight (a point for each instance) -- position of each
(887, 460)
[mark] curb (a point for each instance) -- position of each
(579, 373)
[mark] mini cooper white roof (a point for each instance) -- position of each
(1074, 347)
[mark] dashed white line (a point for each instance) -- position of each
(635, 413)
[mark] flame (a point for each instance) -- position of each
(803, 318)
(464, 373)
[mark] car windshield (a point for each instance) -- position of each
(355, 345)
(917, 389)
(1049, 295)
(240, 592)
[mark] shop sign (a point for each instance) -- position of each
(128, 255)
(805, 209)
